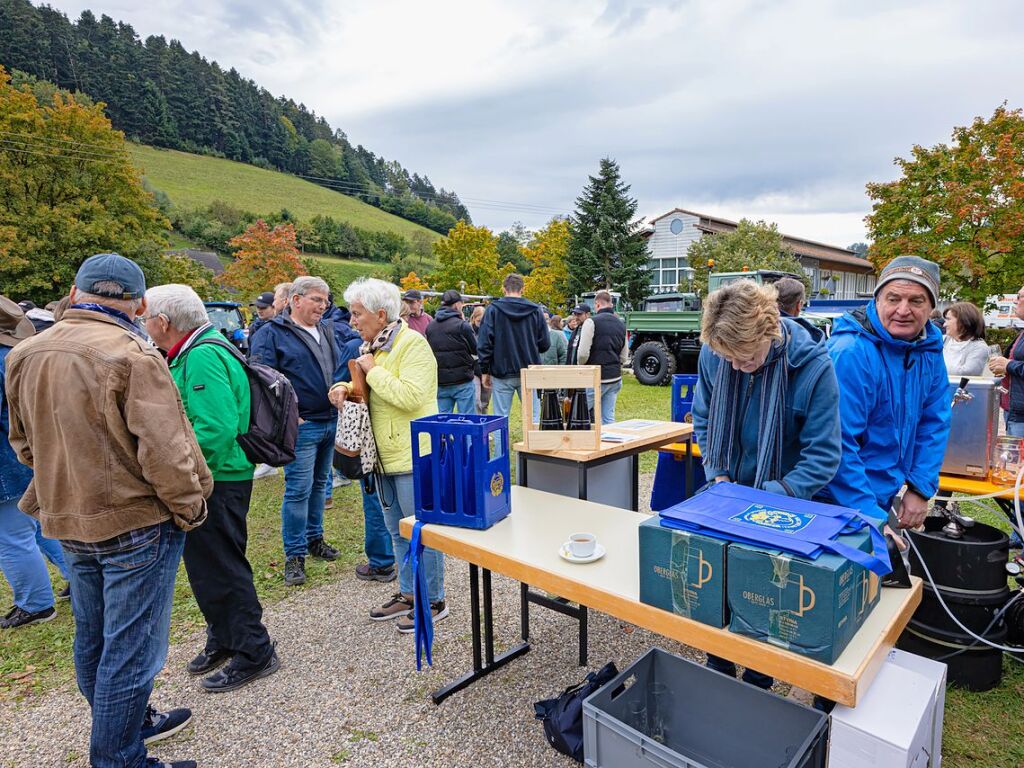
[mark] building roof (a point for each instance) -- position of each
(801, 246)
(208, 259)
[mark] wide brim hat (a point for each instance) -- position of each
(14, 326)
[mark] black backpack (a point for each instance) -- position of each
(273, 411)
(563, 717)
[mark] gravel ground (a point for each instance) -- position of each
(348, 692)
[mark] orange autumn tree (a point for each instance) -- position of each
(413, 281)
(263, 258)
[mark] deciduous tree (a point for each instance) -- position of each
(263, 258)
(412, 281)
(469, 255)
(548, 280)
(961, 205)
(752, 246)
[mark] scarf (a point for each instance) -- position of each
(724, 410)
(122, 319)
(383, 341)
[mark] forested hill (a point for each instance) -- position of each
(160, 94)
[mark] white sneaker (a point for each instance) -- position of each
(340, 482)
(264, 470)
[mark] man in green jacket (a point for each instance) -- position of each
(214, 389)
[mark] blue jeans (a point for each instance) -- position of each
(1015, 428)
(461, 396)
(502, 391)
(53, 552)
(121, 599)
(396, 493)
(20, 560)
(376, 539)
(305, 483)
(609, 394)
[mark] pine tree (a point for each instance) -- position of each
(605, 247)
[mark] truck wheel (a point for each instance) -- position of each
(653, 364)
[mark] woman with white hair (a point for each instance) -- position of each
(214, 389)
(401, 374)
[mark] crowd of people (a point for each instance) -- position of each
(121, 416)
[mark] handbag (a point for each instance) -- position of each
(563, 716)
(355, 450)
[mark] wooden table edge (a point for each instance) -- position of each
(613, 449)
(801, 671)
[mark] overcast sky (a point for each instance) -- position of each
(773, 109)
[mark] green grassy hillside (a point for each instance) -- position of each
(195, 181)
(340, 272)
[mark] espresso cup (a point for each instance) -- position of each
(582, 544)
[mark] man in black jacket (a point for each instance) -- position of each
(512, 336)
(602, 341)
(454, 345)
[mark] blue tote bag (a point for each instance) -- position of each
(750, 516)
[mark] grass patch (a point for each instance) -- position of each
(195, 181)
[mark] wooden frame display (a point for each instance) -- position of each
(538, 377)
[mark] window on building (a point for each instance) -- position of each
(676, 226)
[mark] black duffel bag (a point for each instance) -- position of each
(563, 717)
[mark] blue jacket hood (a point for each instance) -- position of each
(514, 307)
(894, 403)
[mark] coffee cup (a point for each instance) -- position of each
(582, 544)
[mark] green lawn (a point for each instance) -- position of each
(195, 181)
(981, 729)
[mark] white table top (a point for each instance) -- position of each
(525, 545)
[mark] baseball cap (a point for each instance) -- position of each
(579, 309)
(412, 295)
(264, 300)
(112, 267)
(450, 297)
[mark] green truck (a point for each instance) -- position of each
(664, 337)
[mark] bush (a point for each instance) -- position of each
(1004, 337)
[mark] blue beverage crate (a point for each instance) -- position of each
(464, 479)
(683, 386)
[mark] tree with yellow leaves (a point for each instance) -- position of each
(469, 256)
(548, 281)
(412, 281)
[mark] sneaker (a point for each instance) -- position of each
(328, 503)
(340, 481)
(367, 572)
(152, 762)
(158, 726)
(264, 470)
(16, 617)
(396, 607)
(321, 549)
(232, 678)
(438, 609)
(65, 594)
(295, 571)
(207, 661)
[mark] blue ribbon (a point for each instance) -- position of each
(423, 619)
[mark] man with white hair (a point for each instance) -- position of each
(119, 478)
(214, 389)
(303, 346)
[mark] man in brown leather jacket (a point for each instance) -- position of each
(119, 478)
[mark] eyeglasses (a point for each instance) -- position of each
(315, 299)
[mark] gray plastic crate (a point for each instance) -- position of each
(703, 719)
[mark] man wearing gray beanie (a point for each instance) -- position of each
(894, 404)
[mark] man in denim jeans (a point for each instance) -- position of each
(118, 480)
(302, 345)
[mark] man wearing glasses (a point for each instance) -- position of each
(302, 345)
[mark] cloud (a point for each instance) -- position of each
(780, 110)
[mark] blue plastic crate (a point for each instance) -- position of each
(464, 479)
(683, 386)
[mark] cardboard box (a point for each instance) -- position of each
(898, 722)
(683, 572)
(811, 607)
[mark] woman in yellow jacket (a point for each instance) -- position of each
(401, 373)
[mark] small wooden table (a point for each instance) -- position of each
(524, 546)
(609, 475)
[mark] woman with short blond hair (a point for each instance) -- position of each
(766, 405)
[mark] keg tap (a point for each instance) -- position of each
(956, 522)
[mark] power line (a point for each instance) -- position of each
(52, 151)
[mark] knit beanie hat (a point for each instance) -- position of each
(915, 269)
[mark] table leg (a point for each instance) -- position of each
(635, 491)
(489, 662)
(521, 469)
(559, 605)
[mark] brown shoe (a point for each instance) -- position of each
(397, 606)
(438, 609)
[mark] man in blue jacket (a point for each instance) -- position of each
(764, 410)
(302, 344)
(893, 396)
(512, 336)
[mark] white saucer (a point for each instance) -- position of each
(566, 554)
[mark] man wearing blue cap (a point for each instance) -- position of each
(119, 478)
(894, 403)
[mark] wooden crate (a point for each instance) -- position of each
(560, 377)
